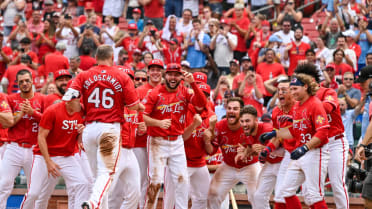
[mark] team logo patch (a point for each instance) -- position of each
(320, 119)
(4, 105)
(329, 98)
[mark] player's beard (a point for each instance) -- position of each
(61, 89)
(298, 39)
(26, 90)
(169, 85)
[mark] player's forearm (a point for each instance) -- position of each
(151, 121)
(350, 101)
(17, 117)
(313, 143)
(188, 131)
(6, 119)
(199, 98)
(41, 139)
(284, 133)
(209, 148)
(37, 115)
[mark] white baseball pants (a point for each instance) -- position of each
(15, 158)
(338, 150)
(279, 186)
(125, 190)
(266, 184)
(164, 153)
(70, 171)
(309, 171)
(226, 177)
(198, 188)
(102, 146)
(141, 155)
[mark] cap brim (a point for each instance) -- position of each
(174, 70)
(156, 65)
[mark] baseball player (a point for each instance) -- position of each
(283, 111)
(154, 72)
(338, 146)
(6, 120)
(308, 165)
(27, 107)
(104, 90)
(61, 78)
(125, 192)
(197, 121)
(60, 127)
(229, 133)
(165, 116)
(267, 176)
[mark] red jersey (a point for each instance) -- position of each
(357, 49)
(63, 130)
(214, 159)
(51, 99)
(296, 53)
(130, 45)
(288, 144)
(194, 145)
(172, 56)
(309, 120)
(105, 90)
(4, 108)
(45, 48)
(25, 131)
(55, 61)
(342, 68)
(243, 23)
(327, 95)
(161, 104)
(263, 128)
(154, 9)
(228, 141)
(8, 52)
(86, 62)
(11, 75)
(129, 127)
(268, 71)
(143, 91)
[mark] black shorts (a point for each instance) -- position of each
(367, 186)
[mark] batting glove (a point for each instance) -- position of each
(267, 136)
(299, 152)
(263, 154)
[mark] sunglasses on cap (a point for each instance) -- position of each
(140, 79)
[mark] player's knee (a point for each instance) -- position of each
(152, 192)
(107, 143)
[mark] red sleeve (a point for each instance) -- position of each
(34, 57)
(4, 105)
(235, 83)
(77, 82)
(8, 51)
(198, 99)
(330, 100)
(48, 119)
(319, 118)
(149, 102)
(260, 85)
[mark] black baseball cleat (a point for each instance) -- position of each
(86, 205)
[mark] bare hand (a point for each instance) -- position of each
(26, 108)
(213, 121)
(80, 128)
(197, 120)
(53, 169)
(360, 154)
(341, 89)
(189, 78)
(141, 128)
(207, 136)
(258, 147)
(241, 154)
(165, 124)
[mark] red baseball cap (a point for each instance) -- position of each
(156, 62)
(136, 10)
(333, 66)
(137, 51)
(173, 67)
(200, 77)
(126, 70)
(88, 6)
(265, 23)
(205, 88)
(61, 73)
(132, 26)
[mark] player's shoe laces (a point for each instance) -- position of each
(86, 205)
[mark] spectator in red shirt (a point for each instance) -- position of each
(296, 50)
(46, 40)
(239, 27)
(129, 41)
(5, 55)
(56, 61)
(269, 69)
(340, 66)
(330, 70)
(173, 53)
(136, 63)
(86, 60)
(25, 49)
(8, 81)
(154, 10)
(89, 11)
